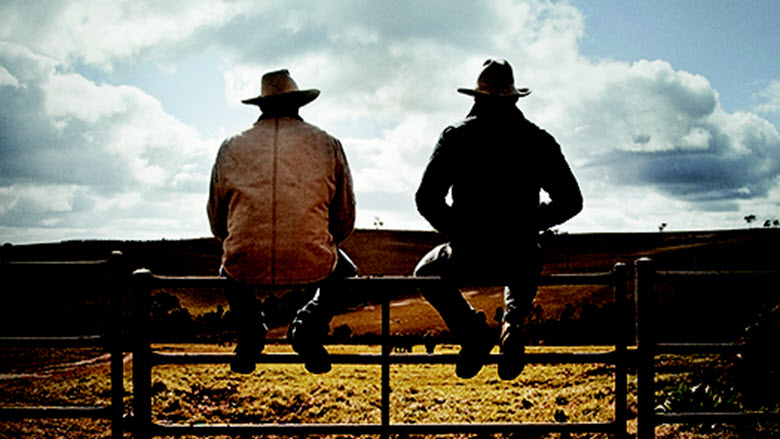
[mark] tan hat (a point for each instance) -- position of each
(496, 79)
(278, 87)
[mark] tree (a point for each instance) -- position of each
(169, 320)
(662, 227)
(749, 218)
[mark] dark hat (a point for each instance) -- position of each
(496, 79)
(279, 87)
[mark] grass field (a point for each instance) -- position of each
(187, 394)
(349, 394)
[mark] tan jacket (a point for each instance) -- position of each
(281, 200)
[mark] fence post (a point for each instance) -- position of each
(646, 340)
(142, 364)
(117, 284)
(386, 350)
(623, 323)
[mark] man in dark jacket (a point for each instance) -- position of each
(493, 164)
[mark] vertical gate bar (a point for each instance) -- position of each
(623, 323)
(385, 363)
(142, 373)
(645, 337)
(117, 284)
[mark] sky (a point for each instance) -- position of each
(111, 113)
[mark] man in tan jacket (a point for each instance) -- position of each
(281, 201)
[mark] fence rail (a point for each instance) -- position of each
(641, 355)
(113, 274)
(648, 348)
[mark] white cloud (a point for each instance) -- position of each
(645, 125)
(101, 34)
(769, 99)
(697, 139)
(79, 156)
(392, 163)
(28, 67)
(73, 96)
(7, 79)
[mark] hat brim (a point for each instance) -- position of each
(520, 92)
(298, 98)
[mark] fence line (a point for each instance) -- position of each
(116, 276)
(144, 358)
(648, 348)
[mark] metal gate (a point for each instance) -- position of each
(626, 352)
(144, 359)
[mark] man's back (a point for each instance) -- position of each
(282, 181)
(502, 165)
(496, 162)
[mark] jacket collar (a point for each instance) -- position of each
(274, 114)
(506, 110)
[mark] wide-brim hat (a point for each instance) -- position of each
(496, 79)
(278, 87)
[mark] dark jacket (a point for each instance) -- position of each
(495, 162)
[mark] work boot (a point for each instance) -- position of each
(512, 340)
(246, 352)
(476, 344)
(309, 346)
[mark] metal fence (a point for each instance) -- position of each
(648, 348)
(112, 276)
(144, 359)
(625, 352)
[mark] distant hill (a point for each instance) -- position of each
(396, 252)
(392, 252)
(375, 252)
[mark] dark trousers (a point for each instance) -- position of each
(247, 316)
(313, 320)
(312, 317)
(520, 287)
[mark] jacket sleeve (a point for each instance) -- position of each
(342, 207)
(561, 185)
(217, 206)
(436, 181)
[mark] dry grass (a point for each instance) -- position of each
(349, 394)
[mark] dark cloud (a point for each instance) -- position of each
(732, 167)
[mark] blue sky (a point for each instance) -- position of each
(112, 112)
